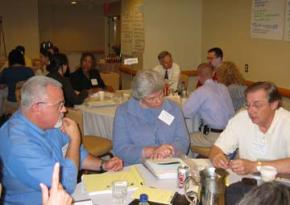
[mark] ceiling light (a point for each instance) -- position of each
(73, 2)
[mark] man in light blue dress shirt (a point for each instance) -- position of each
(212, 103)
(35, 138)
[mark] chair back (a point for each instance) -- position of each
(111, 79)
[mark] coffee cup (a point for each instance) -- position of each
(268, 173)
(101, 95)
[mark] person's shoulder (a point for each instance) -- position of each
(75, 73)
(157, 67)
(125, 106)
(241, 116)
(175, 66)
(171, 105)
(283, 114)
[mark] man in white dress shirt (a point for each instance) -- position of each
(168, 69)
(261, 134)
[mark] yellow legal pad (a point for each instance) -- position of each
(102, 183)
(161, 196)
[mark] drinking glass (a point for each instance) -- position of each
(119, 192)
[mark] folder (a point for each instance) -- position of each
(102, 183)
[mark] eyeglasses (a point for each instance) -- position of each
(152, 98)
(256, 105)
(59, 105)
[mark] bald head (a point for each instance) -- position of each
(205, 72)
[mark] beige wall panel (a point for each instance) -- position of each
(20, 25)
(226, 23)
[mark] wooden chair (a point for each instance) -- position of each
(111, 79)
(201, 151)
(96, 145)
(10, 108)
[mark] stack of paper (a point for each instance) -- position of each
(164, 168)
(161, 196)
(102, 183)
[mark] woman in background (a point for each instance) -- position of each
(87, 76)
(229, 74)
(57, 67)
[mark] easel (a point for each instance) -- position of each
(2, 39)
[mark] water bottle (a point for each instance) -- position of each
(182, 90)
(143, 200)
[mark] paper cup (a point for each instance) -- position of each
(101, 95)
(268, 173)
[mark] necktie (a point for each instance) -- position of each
(166, 74)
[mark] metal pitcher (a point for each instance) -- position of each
(213, 186)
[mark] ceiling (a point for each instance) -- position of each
(78, 2)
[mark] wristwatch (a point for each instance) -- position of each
(259, 165)
(102, 166)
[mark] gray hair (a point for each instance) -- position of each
(271, 193)
(146, 82)
(35, 89)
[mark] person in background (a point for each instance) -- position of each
(148, 126)
(57, 67)
(56, 195)
(229, 74)
(214, 58)
(261, 134)
(212, 103)
(87, 76)
(27, 61)
(270, 193)
(16, 72)
(168, 69)
(46, 51)
(36, 137)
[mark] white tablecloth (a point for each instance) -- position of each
(99, 121)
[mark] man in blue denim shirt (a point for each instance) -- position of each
(35, 138)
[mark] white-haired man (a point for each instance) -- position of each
(36, 137)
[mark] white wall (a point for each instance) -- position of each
(20, 25)
(173, 25)
(226, 23)
(73, 27)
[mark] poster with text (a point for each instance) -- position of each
(267, 19)
(287, 21)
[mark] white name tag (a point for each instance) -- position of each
(64, 150)
(166, 117)
(94, 81)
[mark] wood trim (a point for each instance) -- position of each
(191, 73)
(128, 70)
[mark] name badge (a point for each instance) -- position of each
(94, 81)
(166, 117)
(64, 150)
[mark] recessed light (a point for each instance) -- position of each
(73, 2)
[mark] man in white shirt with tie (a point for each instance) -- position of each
(168, 69)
